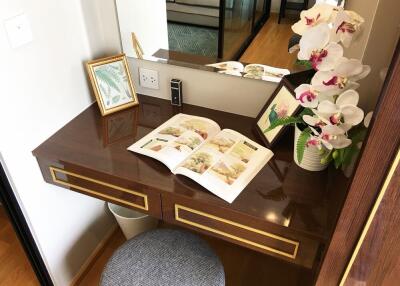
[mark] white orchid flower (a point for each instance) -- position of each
(331, 136)
(319, 13)
(316, 48)
(344, 113)
(307, 96)
(334, 120)
(346, 25)
(343, 77)
(315, 121)
(367, 119)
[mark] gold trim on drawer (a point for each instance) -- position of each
(58, 181)
(274, 236)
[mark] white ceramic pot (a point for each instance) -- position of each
(312, 156)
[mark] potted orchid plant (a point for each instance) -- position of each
(329, 127)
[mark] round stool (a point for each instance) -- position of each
(164, 257)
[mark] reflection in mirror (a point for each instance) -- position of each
(195, 33)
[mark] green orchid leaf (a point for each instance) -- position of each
(306, 111)
(327, 158)
(349, 153)
(302, 143)
(357, 135)
(305, 63)
(283, 121)
(338, 156)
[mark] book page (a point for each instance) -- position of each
(228, 66)
(225, 164)
(176, 139)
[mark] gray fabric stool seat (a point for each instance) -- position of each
(164, 257)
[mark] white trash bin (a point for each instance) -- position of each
(132, 222)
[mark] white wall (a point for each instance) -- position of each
(148, 20)
(101, 27)
(43, 87)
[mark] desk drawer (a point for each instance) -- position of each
(100, 186)
(239, 229)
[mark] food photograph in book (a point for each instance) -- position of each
(228, 169)
(198, 126)
(201, 160)
(187, 142)
(243, 151)
(155, 144)
(222, 142)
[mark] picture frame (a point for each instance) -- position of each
(282, 103)
(112, 83)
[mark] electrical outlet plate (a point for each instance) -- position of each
(148, 78)
(18, 31)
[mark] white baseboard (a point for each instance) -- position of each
(93, 256)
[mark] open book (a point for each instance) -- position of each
(222, 161)
(256, 71)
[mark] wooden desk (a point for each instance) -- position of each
(288, 214)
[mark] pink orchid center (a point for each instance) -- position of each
(335, 119)
(312, 142)
(317, 56)
(346, 27)
(308, 96)
(326, 137)
(312, 21)
(337, 81)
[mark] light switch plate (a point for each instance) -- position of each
(18, 31)
(148, 78)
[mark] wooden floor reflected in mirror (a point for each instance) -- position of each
(15, 267)
(270, 46)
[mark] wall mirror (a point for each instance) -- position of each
(197, 33)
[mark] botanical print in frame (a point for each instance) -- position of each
(281, 104)
(112, 83)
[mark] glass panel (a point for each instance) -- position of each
(260, 7)
(237, 26)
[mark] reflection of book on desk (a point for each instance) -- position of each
(256, 71)
(222, 161)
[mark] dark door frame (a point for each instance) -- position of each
(255, 28)
(22, 230)
(376, 159)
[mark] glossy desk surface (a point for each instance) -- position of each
(291, 197)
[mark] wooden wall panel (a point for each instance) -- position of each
(377, 262)
(378, 154)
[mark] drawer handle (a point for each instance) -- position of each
(53, 171)
(274, 236)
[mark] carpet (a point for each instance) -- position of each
(193, 40)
